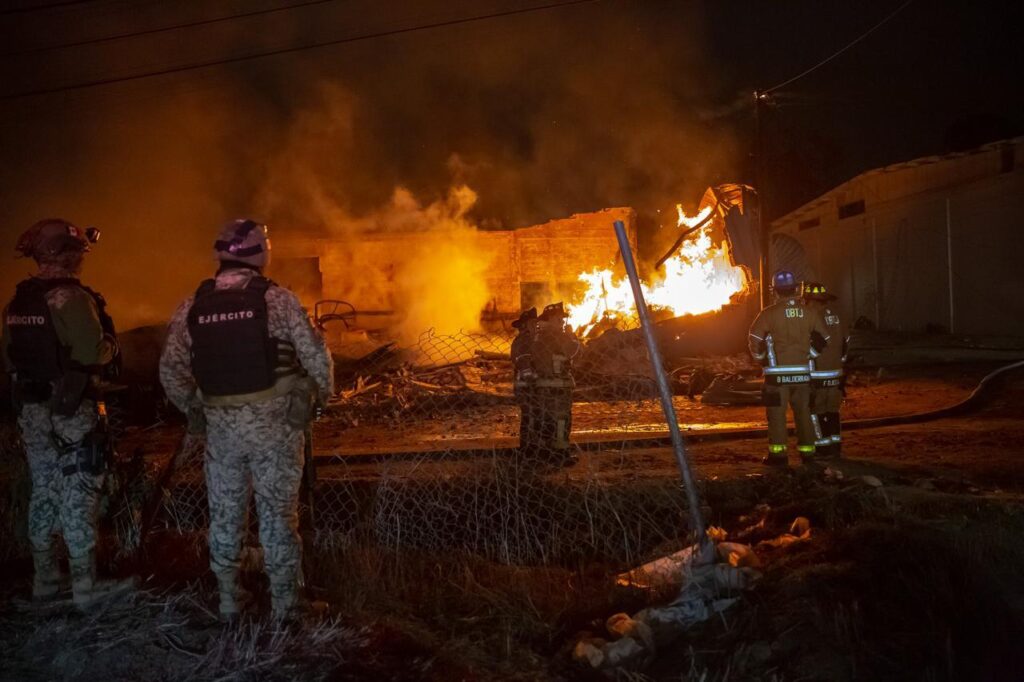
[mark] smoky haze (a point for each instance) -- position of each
(537, 116)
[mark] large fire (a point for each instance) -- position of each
(700, 279)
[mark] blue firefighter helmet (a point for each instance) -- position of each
(784, 282)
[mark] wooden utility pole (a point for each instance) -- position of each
(760, 98)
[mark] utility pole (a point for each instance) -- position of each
(760, 99)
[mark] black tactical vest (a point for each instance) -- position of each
(35, 349)
(232, 350)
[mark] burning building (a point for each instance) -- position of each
(508, 270)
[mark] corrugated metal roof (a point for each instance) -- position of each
(904, 166)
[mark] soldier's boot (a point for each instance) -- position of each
(48, 583)
(776, 456)
(285, 602)
(234, 600)
(88, 592)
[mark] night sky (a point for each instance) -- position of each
(543, 114)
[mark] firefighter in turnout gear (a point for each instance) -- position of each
(57, 340)
(785, 338)
(554, 348)
(524, 384)
(827, 373)
(244, 349)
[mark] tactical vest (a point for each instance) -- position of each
(34, 348)
(232, 350)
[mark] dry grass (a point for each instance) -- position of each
(170, 637)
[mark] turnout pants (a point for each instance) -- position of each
(554, 421)
(253, 446)
(825, 404)
(778, 399)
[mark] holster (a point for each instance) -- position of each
(302, 403)
(196, 418)
(29, 393)
(93, 455)
(68, 392)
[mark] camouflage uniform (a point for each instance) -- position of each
(64, 502)
(252, 441)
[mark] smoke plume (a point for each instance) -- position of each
(542, 115)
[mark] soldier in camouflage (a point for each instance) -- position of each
(56, 339)
(244, 350)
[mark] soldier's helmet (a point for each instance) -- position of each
(243, 241)
(525, 318)
(554, 311)
(53, 237)
(815, 291)
(784, 282)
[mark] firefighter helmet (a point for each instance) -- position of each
(243, 241)
(815, 291)
(52, 237)
(554, 311)
(784, 282)
(525, 317)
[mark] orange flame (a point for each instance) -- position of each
(700, 279)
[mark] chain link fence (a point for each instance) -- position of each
(420, 450)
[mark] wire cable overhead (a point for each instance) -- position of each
(842, 50)
(162, 29)
(290, 50)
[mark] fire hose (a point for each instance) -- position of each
(969, 404)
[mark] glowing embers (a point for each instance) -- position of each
(700, 279)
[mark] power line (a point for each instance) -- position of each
(289, 50)
(828, 59)
(163, 29)
(32, 8)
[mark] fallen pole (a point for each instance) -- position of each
(664, 390)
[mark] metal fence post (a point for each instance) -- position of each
(664, 390)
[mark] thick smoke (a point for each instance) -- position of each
(542, 115)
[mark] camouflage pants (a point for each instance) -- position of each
(252, 445)
(65, 503)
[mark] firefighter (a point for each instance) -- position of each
(57, 340)
(244, 350)
(524, 381)
(784, 338)
(827, 372)
(554, 348)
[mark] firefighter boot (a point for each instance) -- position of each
(808, 454)
(87, 591)
(47, 584)
(776, 456)
(837, 438)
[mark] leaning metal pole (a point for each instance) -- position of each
(665, 391)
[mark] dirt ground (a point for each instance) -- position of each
(911, 571)
(892, 391)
